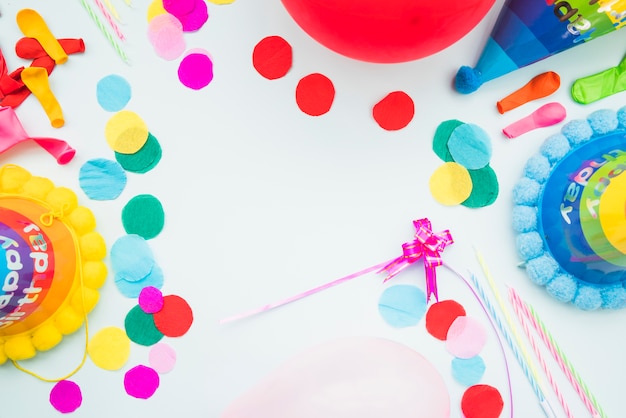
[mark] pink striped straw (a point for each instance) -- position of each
(517, 308)
(109, 19)
(566, 367)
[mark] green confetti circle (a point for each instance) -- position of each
(140, 327)
(442, 135)
(485, 188)
(143, 160)
(143, 215)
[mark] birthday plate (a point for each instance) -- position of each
(570, 212)
(50, 263)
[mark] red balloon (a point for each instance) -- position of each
(387, 31)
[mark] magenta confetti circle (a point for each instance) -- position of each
(66, 396)
(195, 71)
(141, 382)
(150, 299)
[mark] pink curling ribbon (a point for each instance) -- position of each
(12, 133)
(426, 244)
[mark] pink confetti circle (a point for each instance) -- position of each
(141, 382)
(195, 19)
(162, 358)
(150, 299)
(66, 396)
(195, 71)
(179, 7)
(160, 22)
(466, 337)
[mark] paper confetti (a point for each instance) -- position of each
(150, 299)
(162, 358)
(469, 371)
(440, 316)
(102, 179)
(143, 215)
(315, 94)
(66, 396)
(485, 188)
(132, 288)
(195, 70)
(442, 135)
(113, 93)
(143, 160)
(196, 18)
(272, 57)
(165, 33)
(141, 382)
(470, 146)
(140, 327)
(131, 257)
(109, 349)
(482, 401)
(126, 132)
(175, 318)
(395, 111)
(450, 184)
(466, 337)
(402, 305)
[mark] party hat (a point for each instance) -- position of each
(528, 31)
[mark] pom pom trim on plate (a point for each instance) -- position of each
(542, 268)
(62, 292)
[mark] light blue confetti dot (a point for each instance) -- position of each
(133, 289)
(470, 146)
(102, 179)
(402, 305)
(113, 93)
(468, 372)
(131, 258)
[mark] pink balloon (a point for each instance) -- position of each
(351, 377)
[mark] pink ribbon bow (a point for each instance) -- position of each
(427, 245)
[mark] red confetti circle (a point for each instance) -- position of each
(175, 317)
(440, 316)
(394, 111)
(315, 94)
(482, 401)
(272, 57)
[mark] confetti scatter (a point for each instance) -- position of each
(195, 71)
(132, 289)
(131, 258)
(141, 382)
(102, 179)
(143, 215)
(143, 160)
(140, 327)
(126, 132)
(315, 94)
(162, 358)
(193, 14)
(402, 305)
(440, 316)
(482, 401)
(150, 299)
(175, 318)
(468, 146)
(109, 349)
(466, 337)
(165, 33)
(272, 57)
(469, 371)
(113, 93)
(66, 396)
(395, 111)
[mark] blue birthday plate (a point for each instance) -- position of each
(570, 212)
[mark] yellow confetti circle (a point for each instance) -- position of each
(221, 1)
(450, 184)
(155, 9)
(109, 349)
(126, 132)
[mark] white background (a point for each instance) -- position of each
(263, 202)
